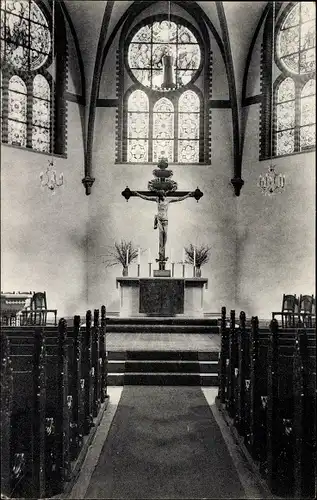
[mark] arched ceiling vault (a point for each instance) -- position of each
(235, 23)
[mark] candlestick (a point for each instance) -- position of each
(149, 256)
(150, 269)
(173, 265)
(127, 258)
(171, 256)
(194, 257)
(183, 270)
(183, 258)
(139, 270)
(139, 256)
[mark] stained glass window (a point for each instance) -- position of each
(25, 48)
(41, 114)
(297, 39)
(163, 130)
(308, 115)
(138, 127)
(148, 46)
(285, 116)
(295, 94)
(17, 100)
(25, 35)
(150, 143)
(188, 127)
(160, 122)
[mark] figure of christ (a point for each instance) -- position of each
(161, 218)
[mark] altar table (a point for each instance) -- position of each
(178, 297)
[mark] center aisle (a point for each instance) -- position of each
(164, 443)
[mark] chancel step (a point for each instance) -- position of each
(162, 368)
(161, 320)
(146, 327)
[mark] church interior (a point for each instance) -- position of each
(166, 349)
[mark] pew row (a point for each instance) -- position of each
(267, 390)
(54, 384)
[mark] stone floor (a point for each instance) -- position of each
(162, 342)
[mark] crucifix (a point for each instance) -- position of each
(161, 188)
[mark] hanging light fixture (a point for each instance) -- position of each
(168, 59)
(272, 183)
(49, 179)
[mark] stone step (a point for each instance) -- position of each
(204, 379)
(157, 355)
(157, 367)
(162, 367)
(162, 320)
(161, 328)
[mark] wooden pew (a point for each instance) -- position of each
(55, 381)
(40, 410)
(258, 388)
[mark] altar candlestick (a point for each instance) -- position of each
(150, 269)
(183, 258)
(139, 256)
(139, 270)
(127, 258)
(171, 256)
(173, 265)
(149, 256)
(183, 266)
(194, 257)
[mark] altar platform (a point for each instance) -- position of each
(163, 342)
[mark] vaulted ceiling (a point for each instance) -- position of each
(241, 19)
(235, 23)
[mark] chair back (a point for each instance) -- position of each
(306, 303)
(38, 301)
(289, 303)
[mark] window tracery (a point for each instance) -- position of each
(26, 91)
(295, 86)
(157, 122)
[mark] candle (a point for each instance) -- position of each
(194, 257)
(149, 256)
(171, 256)
(127, 258)
(183, 259)
(139, 256)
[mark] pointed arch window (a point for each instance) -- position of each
(17, 103)
(26, 91)
(156, 122)
(41, 114)
(188, 127)
(293, 80)
(138, 126)
(308, 115)
(163, 130)
(285, 116)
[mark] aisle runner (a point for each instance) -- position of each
(164, 443)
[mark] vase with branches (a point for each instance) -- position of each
(124, 253)
(197, 256)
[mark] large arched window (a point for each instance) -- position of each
(26, 91)
(294, 81)
(295, 93)
(156, 122)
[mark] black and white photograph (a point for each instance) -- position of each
(158, 214)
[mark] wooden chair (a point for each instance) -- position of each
(36, 312)
(290, 308)
(305, 309)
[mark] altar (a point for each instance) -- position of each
(160, 296)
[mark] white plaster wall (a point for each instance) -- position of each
(276, 235)
(43, 240)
